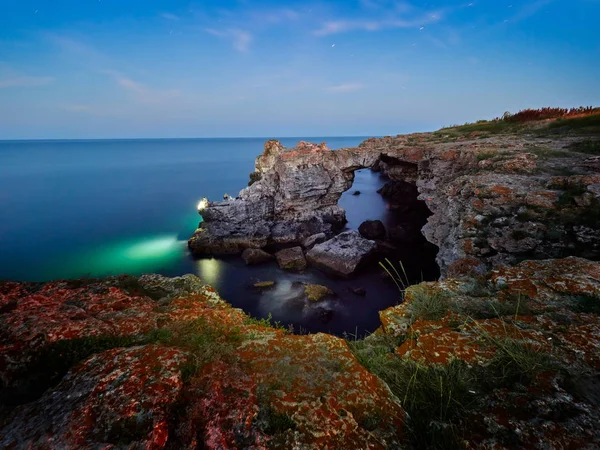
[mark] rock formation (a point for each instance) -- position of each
(342, 255)
(294, 196)
(496, 198)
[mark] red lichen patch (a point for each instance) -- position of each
(314, 381)
(550, 284)
(477, 204)
(449, 155)
(441, 345)
(120, 397)
(541, 199)
(468, 246)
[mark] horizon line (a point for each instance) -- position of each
(186, 138)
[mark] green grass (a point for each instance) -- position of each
(589, 146)
(590, 124)
(268, 322)
(568, 195)
(428, 304)
(516, 361)
(492, 127)
(512, 306)
(436, 398)
(398, 275)
(481, 156)
(545, 152)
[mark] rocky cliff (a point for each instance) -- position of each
(496, 197)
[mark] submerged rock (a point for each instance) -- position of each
(343, 254)
(372, 229)
(253, 256)
(264, 285)
(291, 259)
(316, 292)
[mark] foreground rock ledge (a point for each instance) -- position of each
(153, 362)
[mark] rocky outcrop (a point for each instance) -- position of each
(295, 197)
(156, 363)
(496, 198)
(342, 255)
(525, 343)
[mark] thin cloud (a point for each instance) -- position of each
(341, 26)
(240, 39)
(142, 92)
(25, 81)
(346, 87)
(277, 16)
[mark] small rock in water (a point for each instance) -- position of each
(372, 229)
(356, 193)
(316, 292)
(291, 259)
(263, 285)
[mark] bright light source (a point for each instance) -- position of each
(203, 204)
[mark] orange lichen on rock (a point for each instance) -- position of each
(261, 388)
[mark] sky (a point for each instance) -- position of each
(245, 68)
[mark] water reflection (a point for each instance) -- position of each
(210, 270)
(134, 256)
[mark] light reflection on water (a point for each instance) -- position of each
(132, 256)
(210, 270)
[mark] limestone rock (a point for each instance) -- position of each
(343, 254)
(313, 240)
(291, 259)
(254, 256)
(120, 397)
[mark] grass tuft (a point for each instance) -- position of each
(428, 304)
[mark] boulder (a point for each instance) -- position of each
(343, 254)
(291, 259)
(254, 256)
(356, 193)
(372, 229)
(313, 240)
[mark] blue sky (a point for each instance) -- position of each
(157, 68)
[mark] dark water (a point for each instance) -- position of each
(93, 208)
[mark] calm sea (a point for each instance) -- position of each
(93, 208)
